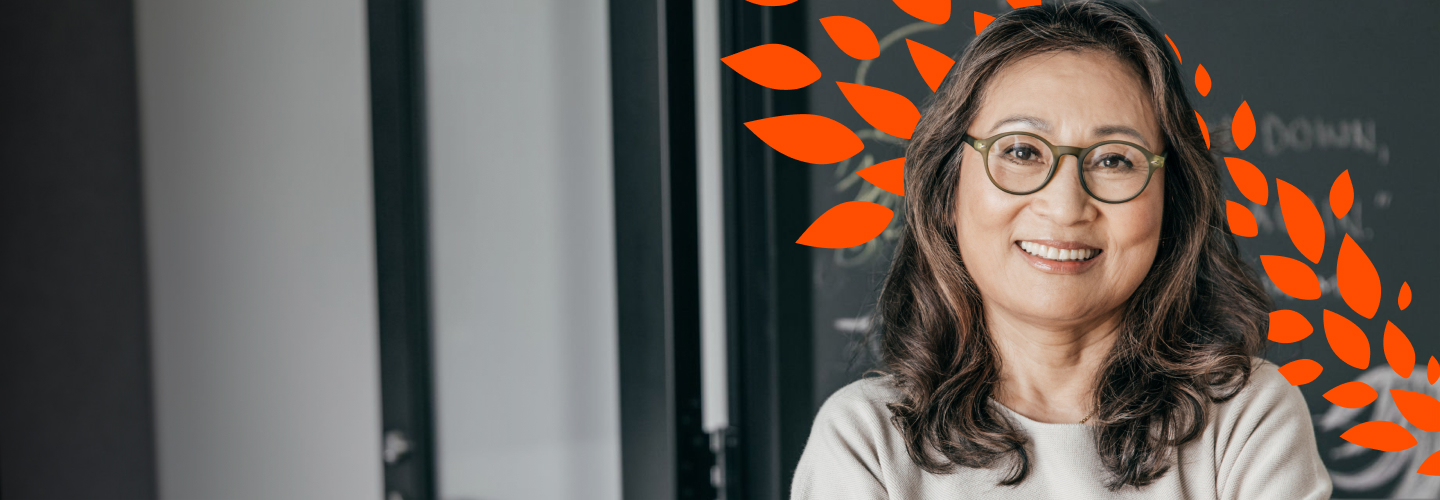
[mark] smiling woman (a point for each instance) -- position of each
(1065, 321)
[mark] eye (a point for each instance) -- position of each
(1114, 161)
(1022, 152)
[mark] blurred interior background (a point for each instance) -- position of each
(483, 249)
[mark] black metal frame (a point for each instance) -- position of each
(397, 116)
(768, 275)
(664, 451)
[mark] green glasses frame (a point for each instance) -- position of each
(983, 147)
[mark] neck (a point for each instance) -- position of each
(1048, 371)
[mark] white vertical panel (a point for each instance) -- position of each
(522, 242)
(712, 214)
(256, 154)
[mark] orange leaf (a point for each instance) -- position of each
(930, 11)
(1249, 179)
(808, 138)
(1242, 222)
(981, 21)
(933, 65)
(1404, 299)
(885, 110)
(1352, 394)
(772, 3)
(1204, 131)
(1176, 49)
(1242, 128)
(852, 36)
(1431, 466)
(1020, 4)
(774, 65)
(846, 225)
(888, 175)
(1301, 371)
(1356, 277)
(1291, 276)
(1347, 340)
(1302, 221)
(1398, 351)
(1432, 370)
(1288, 326)
(1421, 410)
(1342, 195)
(1380, 435)
(1202, 81)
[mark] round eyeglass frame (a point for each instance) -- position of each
(982, 146)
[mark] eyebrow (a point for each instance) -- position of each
(1044, 126)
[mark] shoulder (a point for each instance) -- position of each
(1267, 392)
(862, 404)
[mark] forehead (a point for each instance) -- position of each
(1072, 90)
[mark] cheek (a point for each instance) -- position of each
(984, 215)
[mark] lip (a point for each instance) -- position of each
(1058, 266)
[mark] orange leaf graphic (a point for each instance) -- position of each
(1301, 371)
(808, 138)
(774, 65)
(1342, 195)
(1288, 326)
(1302, 220)
(1204, 131)
(933, 65)
(1176, 49)
(1242, 128)
(888, 175)
(1421, 410)
(1431, 466)
(1380, 435)
(1432, 370)
(1398, 351)
(852, 36)
(1249, 179)
(848, 224)
(1347, 340)
(1355, 276)
(1242, 222)
(1291, 276)
(981, 21)
(1020, 4)
(930, 11)
(1352, 394)
(885, 110)
(772, 3)
(1202, 81)
(1404, 299)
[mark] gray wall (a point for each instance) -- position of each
(522, 249)
(256, 147)
(75, 417)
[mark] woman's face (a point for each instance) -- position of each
(1071, 98)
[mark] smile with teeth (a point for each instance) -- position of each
(1053, 253)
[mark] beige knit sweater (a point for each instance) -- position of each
(1259, 445)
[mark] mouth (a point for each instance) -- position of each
(1059, 257)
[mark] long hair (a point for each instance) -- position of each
(1188, 332)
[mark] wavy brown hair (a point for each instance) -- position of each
(1188, 332)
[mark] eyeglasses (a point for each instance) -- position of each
(1022, 163)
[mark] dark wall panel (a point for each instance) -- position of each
(75, 397)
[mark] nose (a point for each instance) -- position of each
(1064, 200)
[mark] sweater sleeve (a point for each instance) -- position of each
(1269, 446)
(841, 459)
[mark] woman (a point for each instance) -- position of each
(1066, 315)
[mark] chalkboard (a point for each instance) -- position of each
(1334, 86)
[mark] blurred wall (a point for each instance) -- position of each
(256, 155)
(522, 242)
(75, 415)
